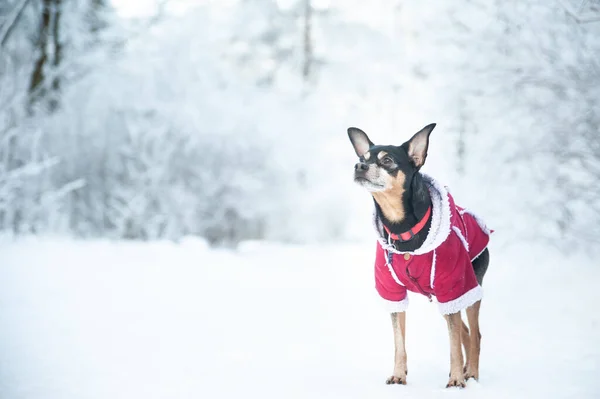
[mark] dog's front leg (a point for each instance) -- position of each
(457, 378)
(472, 369)
(400, 370)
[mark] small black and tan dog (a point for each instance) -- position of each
(424, 240)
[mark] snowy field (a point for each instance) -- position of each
(161, 320)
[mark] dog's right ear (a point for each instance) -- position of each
(359, 140)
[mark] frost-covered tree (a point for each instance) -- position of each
(271, 38)
(203, 123)
(25, 194)
(193, 147)
(44, 46)
(516, 82)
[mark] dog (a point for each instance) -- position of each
(426, 244)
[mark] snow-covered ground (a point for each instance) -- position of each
(161, 320)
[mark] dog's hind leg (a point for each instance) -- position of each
(475, 344)
(456, 359)
(480, 266)
(466, 343)
(400, 369)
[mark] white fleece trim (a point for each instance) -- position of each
(440, 220)
(479, 221)
(462, 238)
(432, 276)
(394, 306)
(462, 302)
(391, 269)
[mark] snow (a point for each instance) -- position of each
(101, 319)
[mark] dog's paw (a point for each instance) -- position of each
(396, 380)
(456, 382)
(471, 374)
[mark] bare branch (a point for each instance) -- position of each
(30, 169)
(578, 16)
(64, 190)
(6, 29)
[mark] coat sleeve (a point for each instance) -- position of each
(393, 295)
(455, 284)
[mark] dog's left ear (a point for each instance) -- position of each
(359, 140)
(417, 146)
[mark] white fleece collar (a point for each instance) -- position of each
(440, 220)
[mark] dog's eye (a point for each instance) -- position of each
(387, 161)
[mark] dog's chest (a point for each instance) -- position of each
(412, 271)
(415, 266)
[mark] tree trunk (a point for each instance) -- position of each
(97, 19)
(57, 54)
(49, 34)
(42, 44)
(307, 64)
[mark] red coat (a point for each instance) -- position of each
(442, 266)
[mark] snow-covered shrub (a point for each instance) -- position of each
(170, 141)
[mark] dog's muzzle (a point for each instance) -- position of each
(361, 167)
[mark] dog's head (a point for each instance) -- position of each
(387, 167)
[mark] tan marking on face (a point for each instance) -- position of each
(367, 155)
(390, 199)
(381, 155)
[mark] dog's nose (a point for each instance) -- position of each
(361, 167)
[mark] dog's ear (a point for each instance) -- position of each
(359, 140)
(417, 146)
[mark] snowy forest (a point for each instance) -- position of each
(226, 120)
(178, 216)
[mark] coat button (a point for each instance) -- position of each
(406, 256)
